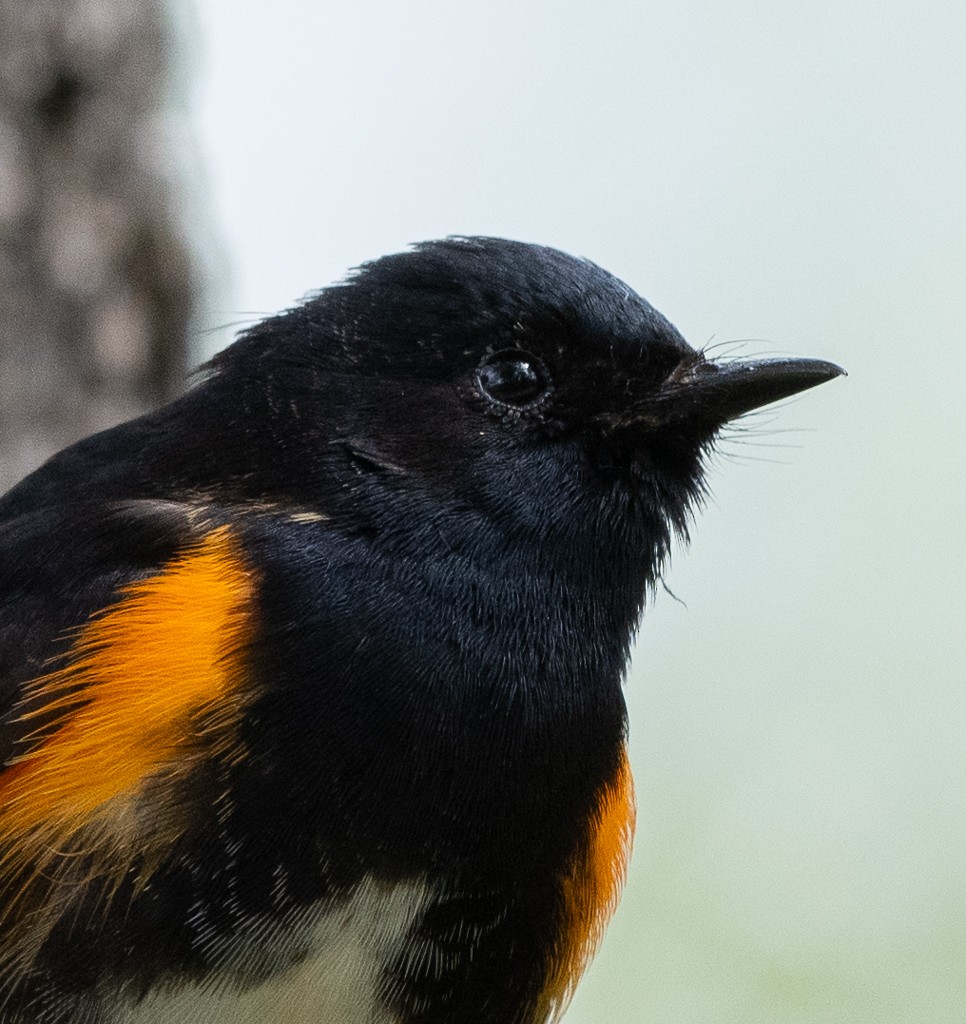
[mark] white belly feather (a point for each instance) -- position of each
(335, 960)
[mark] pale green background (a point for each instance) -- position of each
(787, 172)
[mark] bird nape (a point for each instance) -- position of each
(311, 679)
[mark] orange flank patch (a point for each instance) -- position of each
(154, 686)
(591, 889)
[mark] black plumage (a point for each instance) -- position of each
(448, 483)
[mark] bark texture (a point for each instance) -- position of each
(96, 277)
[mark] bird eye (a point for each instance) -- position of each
(512, 378)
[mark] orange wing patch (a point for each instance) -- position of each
(591, 889)
(155, 686)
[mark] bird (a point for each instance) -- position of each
(311, 681)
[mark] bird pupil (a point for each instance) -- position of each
(511, 377)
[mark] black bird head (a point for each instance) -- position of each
(495, 379)
(470, 392)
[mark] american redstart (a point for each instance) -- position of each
(311, 679)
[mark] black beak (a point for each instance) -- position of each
(722, 391)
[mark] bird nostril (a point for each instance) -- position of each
(690, 369)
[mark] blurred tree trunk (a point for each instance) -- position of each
(96, 280)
